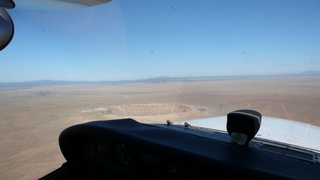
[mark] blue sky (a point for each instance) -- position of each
(128, 40)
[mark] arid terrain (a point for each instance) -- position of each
(32, 117)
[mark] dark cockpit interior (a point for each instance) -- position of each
(127, 149)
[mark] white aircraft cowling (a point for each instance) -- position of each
(275, 129)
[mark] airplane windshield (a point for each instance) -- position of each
(151, 61)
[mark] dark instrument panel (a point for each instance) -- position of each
(113, 160)
(126, 149)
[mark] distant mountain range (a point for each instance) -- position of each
(161, 79)
(52, 82)
(310, 73)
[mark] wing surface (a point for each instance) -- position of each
(55, 5)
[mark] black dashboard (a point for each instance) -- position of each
(126, 149)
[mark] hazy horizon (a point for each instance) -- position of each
(305, 73)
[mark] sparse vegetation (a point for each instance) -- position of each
(31, 119)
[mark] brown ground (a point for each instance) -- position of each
(31, 119)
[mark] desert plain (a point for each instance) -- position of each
(32, 117)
